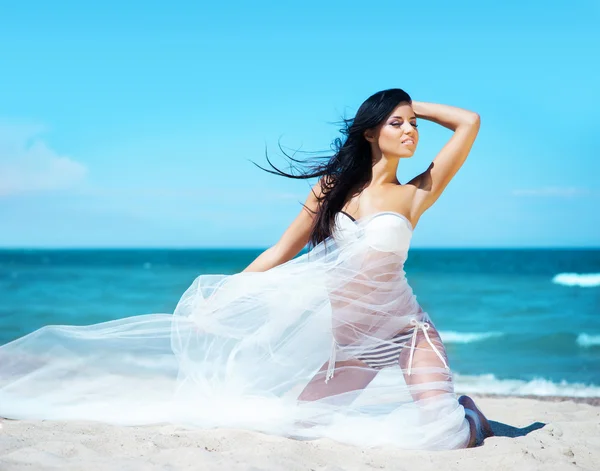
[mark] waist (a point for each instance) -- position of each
(376, 329)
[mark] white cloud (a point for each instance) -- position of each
(559, 192)
(27, 164)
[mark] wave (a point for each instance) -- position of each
(489, 384)
(450, 336)
(584, 280)
(585, 340)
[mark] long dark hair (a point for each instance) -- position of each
(350, 168)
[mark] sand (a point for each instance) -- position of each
(532, 433)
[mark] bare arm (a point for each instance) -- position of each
(265, 261)
(293, 239)
(431, 183)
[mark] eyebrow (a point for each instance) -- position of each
(412, 117)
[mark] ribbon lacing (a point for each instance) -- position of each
(331, 365)
(423, 326)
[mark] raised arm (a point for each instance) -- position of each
(294, 238)
(431, 183)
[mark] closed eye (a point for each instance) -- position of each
(414, 125)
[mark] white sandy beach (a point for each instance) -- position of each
(549, 434)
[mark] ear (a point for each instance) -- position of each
(370, 135)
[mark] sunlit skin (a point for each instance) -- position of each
(387, 147)
(387, 138)
(384, 192)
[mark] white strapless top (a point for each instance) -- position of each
(387, 231)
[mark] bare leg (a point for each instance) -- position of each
(349, 375)
(425, 357)
(349, 379)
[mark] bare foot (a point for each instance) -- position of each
(478, 423)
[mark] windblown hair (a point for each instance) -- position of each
(350, 168)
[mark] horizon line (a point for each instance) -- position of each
(82, 248)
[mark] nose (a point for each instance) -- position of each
(409, 128)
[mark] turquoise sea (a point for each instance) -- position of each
(513, 321)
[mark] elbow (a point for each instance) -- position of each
(470, 120)
(474, 119)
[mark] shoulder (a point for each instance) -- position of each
(405, 198)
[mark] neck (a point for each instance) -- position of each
(384, 170)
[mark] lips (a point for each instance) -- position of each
(408, 141)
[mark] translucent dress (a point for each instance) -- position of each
(330, 344)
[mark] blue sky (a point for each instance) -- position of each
(133, 125)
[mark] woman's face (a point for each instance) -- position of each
(394, 135)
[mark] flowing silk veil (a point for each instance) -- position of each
(271, 351)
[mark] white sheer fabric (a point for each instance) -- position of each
(286, 351)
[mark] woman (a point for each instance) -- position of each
(328, 344)
(361, 180)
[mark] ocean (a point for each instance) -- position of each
(513, 321)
